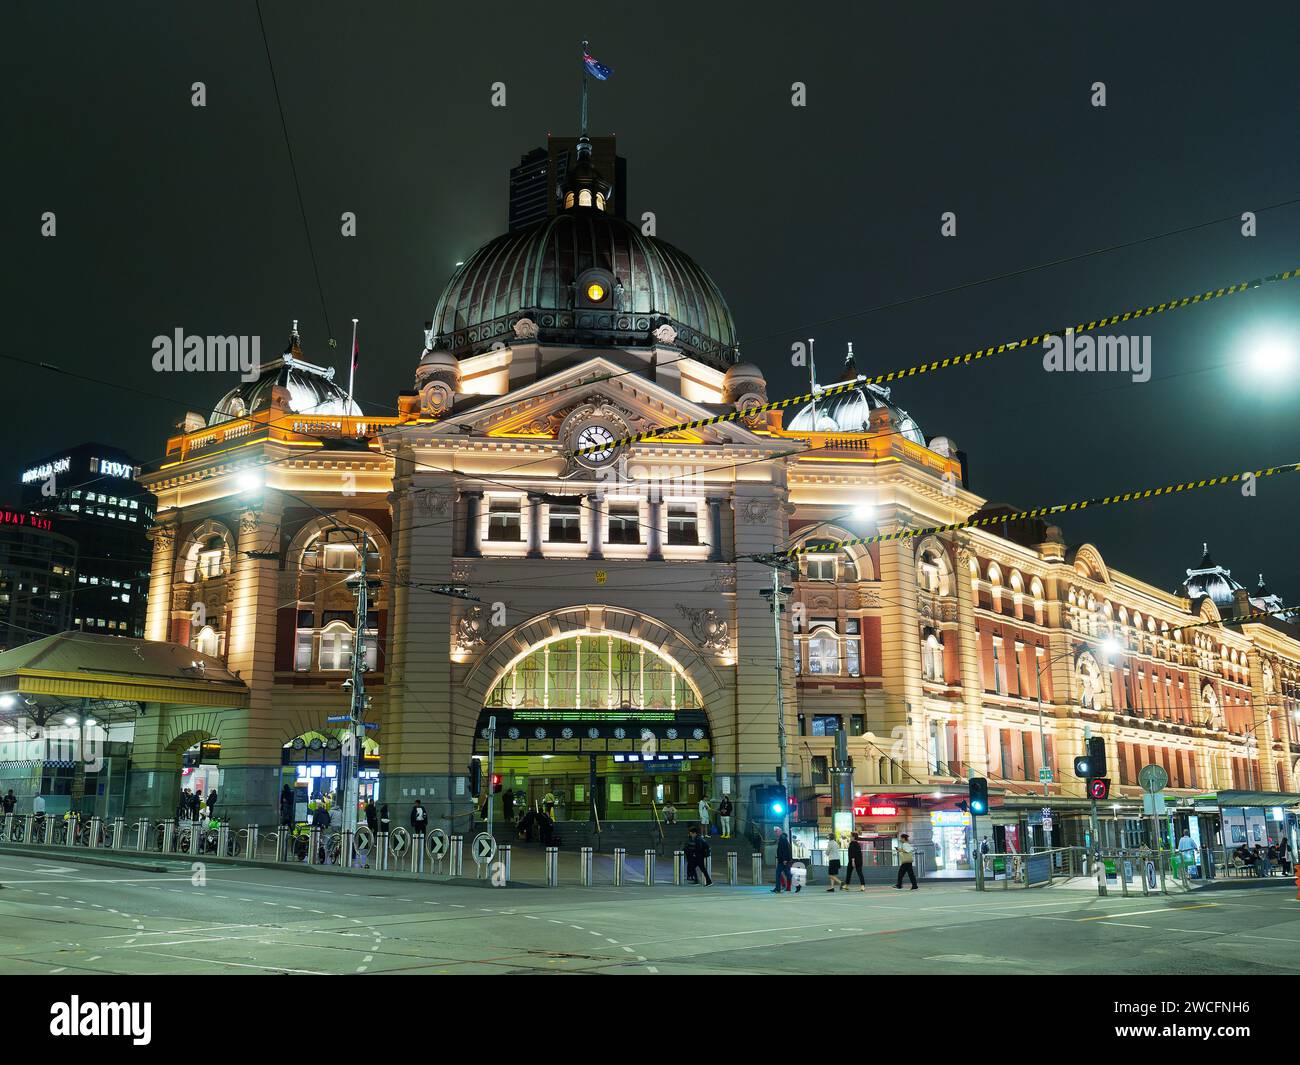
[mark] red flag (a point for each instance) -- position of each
(356, 352)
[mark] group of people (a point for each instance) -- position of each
(1261, 860)
(836, 863)
(195, 806)
(705, 812)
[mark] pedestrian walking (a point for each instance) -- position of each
(1283, 851)
(372, 817)
(385, 822)
(784, 864)
(724, 815)
(1187, 852)
(855, 862)
(706, 819)
(833, 861)
(906, 857)
(697, 853)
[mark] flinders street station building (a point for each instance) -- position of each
(601, 600)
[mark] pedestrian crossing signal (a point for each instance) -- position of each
(496, 783)
(475, 777)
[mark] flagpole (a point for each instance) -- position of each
(352, 360)
(583, 133)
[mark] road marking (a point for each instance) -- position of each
(237, 964)
(1138, 913)
(1117, 924)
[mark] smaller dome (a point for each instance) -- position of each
(290, 382)
(1212, 580)
(742, 378)
(850, 412)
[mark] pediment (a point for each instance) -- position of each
(599, 388)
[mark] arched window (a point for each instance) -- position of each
(932, 657)
(933, 572)
(207, 555)
(823, 653)
(207, 642)
(593, 671)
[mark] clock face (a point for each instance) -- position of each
(599, 437)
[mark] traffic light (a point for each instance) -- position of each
(475, 777)
(978, 795)
(1099, 788)
(1083, 767)
(1097, 756)
(496, 783)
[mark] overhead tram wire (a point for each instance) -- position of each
(952, 361)
(293, 168)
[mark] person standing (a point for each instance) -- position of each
(372, 817)
(701, 850)
(286, 805)
(1187, 852)
(724, 815)
(784, 863)
(1283, 852)
(906, 858)
(212, 803)
(507, 806)
(706, 819)
(833, 861)
(419, 818)
(855, 862)
(10, 801)
(385, 822)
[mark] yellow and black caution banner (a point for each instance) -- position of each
(1282, 612)
(947, 362)
(1044, 512)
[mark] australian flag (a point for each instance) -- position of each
(595, 67)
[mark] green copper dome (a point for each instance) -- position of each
(584, 277)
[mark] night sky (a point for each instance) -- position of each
(174, 216)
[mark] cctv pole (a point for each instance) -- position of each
(492, 752)
(780, 696)
(356, 724)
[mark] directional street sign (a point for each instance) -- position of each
(1045, 774)
(437, 844)
(483, 848)
(1153, 777)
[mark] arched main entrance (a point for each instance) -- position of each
(597, 721)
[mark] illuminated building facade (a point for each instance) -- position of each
(617, 632)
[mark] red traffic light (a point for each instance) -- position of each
(1099, 788)
(496, 783)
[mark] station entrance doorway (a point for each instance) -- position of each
(596, 725)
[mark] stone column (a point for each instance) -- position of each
(251, 742)
(654, 538)
(534, 526)
(473, 503)
(595, 526)
(900, 647)
(157, 624)
(715, 530)
(1262, 727)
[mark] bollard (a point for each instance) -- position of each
(733, 869)
(756, 869)
(282, 843)
(142, 834)
(250, 846)
(679, 868)
(650, 868)
(69, 832)
(313, 845)
(381, 849)
(456, 856)
(347, 843)
(584, 866)
(1123, 876)
(119, 833)
(27, 827)
(503, 857)
(223, 840)
(1164, 888)
(1101, 876)
(552, 866)
(169, 836)
(4, 827)
(417, 853)
(619, 854)
(95, 826)
(196, 838)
